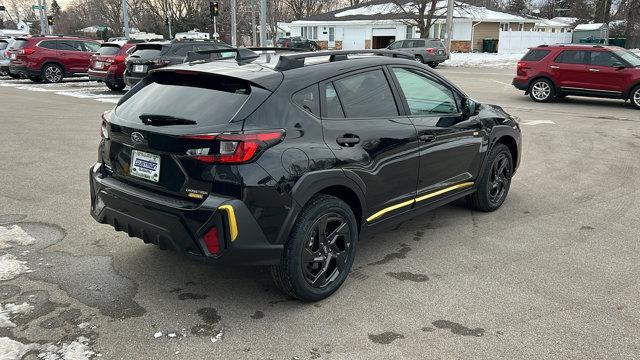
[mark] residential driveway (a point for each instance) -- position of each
(555, 273)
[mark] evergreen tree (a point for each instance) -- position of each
(55, 9)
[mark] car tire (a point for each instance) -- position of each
(635, 97)
(313, 265)
(14, 76)
(420, 59)
(433, 64)
(495, 181)
(115, 86)
(542, 90)
(52, 73)
(313, 47)
(35, 79)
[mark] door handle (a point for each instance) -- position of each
(347, 140)
(594, 70)
(427, 137)
(554, 66)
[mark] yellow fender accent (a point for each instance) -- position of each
(231, 216)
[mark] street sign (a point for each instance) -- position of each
(38, 7)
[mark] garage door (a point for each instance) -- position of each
(353, 39)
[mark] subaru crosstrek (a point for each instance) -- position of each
(548, 72)
(290, 165)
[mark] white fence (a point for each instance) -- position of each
(517, 42)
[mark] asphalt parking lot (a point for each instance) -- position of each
(554, 273)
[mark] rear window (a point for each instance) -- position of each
(108, 50)
(436, 43)
(205, 99)
(19, 44)
(3, 45)
(147, 51)
(536, 55)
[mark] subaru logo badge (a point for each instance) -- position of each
(136, 137)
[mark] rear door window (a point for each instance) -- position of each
(366, 95)
(308, 99)
(52, 45)
(183, 50)
(536, 55)
(108, 49)
(572, 57)
(68, 45)
(603, 58)
(334, 108)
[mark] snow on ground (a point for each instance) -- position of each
(11, 267)
(483, 60)
(76, 87)
(14, 235)
(7, 311)
(78, 349)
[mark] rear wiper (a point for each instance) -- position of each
(164, 120)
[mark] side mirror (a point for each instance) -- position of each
(470, 107)
(618, 66)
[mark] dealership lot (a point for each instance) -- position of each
(554, 273)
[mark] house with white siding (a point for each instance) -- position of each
(378, 23)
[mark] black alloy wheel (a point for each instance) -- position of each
(499, 178)
(495, 180)
(325, 255)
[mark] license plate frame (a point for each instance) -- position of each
(140, 69)
(145, 165)
(13, 56)
(99, 64)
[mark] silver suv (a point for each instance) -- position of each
(427, 51)
(5, 44)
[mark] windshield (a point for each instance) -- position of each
(629, 57)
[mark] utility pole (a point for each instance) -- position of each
(449, 27)
(234, 28)
(263, 23)
(254, 41)
(43, 27)
(125, 18)
(606, 22)
(168, 14)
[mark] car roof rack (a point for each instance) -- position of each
(294, 61)
(242, 55)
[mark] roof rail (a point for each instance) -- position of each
(294, 61)
(242, 55)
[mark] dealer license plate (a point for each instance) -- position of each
(145, 166)
(140, 68)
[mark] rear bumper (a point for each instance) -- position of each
(179, 225)
(520, 84)
(105, 76)
(131, 80)
(22, 70)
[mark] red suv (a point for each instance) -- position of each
(51, 58)
(555, 71)
(108, 64)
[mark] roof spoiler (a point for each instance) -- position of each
(294, 61)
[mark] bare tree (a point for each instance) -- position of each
(421, 13)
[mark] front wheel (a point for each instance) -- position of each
(320, 250)
(495, 180)
(115, 86)
(635, 97)
(541, 90)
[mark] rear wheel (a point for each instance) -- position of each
(320, 250)
(495, 181)
(14, 76)
(115, 86)
(419, 59)
(433, 64)
(52, 73)
(635, 97)
(313, 47)
(541, 90)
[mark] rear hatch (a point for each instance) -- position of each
(438, 47)
(105, 56)
(17, 53)
(159, 136)
(146, 57)
(3, 48)
(529, 60)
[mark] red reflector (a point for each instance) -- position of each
(211, 241)
(430, 50)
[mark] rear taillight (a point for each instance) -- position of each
(233, 148)
(118, 59)
(211, 240)
(431, 50)
(104, 128)
(27, 51)
(521, 66)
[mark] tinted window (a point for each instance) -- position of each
(536, 55)
(183, 50)
(603, 58)
(199, 98)
(3, 45)
(67, 45)
(366, 95)
(417, 43)
(629, 57)
(53, 45)
(436, 43)
(91, 46)
(147, 51)
(308, 99)
(571, 57)
(395, 45)
(334, 109)
(108, 50)
(18, 44)
(425, 96)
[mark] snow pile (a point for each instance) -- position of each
(636, 51)
(8, 310)
(75, 350)
(11, 267)
(14, 235)
(483, 60)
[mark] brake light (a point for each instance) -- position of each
(211, 240)
(233, 148)
(118, 59)
(520, 65)
(431, 50)
(27, 51)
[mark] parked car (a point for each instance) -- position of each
(431, 51)
(289, 166)
(297, 42)
(108, 63)
(51, 58)
(155, 55)
(548, 72)
(5, 44)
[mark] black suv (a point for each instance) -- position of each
(297, 42)
(154, 55)
(289, 165)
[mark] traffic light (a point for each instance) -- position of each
(214, 9)
(50, 20)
